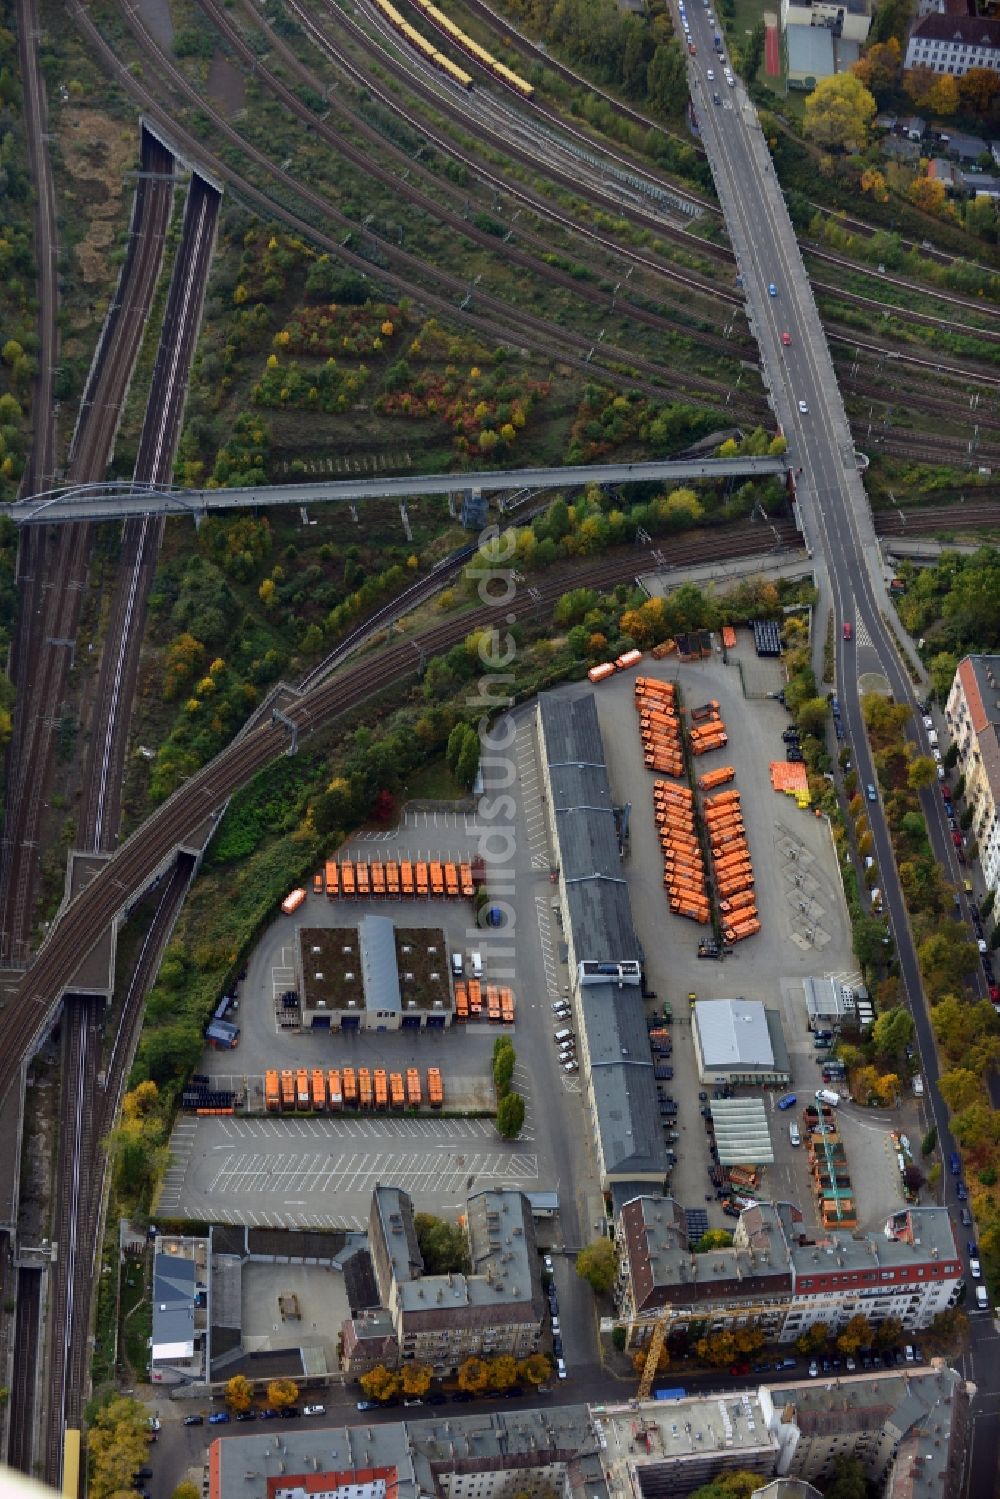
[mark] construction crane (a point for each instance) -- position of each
(656, 1343)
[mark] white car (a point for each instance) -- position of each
(555, 1327)
(813, 1369)
(314, 1410)
(927, 721)
(850, 1365)
(710, 75)
(936, 754)
(981, 944)
(571, 1066)
(561, 1368)
(975, 1270)
(547, 1262)
(804, 407)
(730, 79)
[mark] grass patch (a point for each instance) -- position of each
(433, 782)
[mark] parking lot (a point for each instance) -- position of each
(805, 929)
(319, 1173)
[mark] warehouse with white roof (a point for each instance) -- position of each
(739, 1041)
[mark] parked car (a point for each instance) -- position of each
(219, 1418)
(194, 1420)
(367, 1405)
(314, 1410)
(871, 793)
(561, 1368)
(547, 1261)
(961, 1191)
(813, 1369)
(966, 1217)
(975, 1269)
(250, 1415)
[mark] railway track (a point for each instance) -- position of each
(141, 538)
(41, 457)
(924, 521)
(52, 568)
(451, 102)
(520, 330)
(146, 852)
(21, 1425)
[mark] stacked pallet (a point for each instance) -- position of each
(731, 865)
(659, 726)
(683, 864)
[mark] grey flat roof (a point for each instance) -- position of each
(377, 940)
(174, 1280)
(734, 1032)
(810, 50)
(394, 1209)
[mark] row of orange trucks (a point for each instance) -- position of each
(608, 668)
(347, 879)
(731, 867)
(321, 1090)
(659, 725)
(683, 863)
(469, 998)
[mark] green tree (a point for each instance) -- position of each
(503, 1064)
(892, 1031)
(960, 1088)
(510, 1116)
(838, 113)
(443, 1245)
(117, 1447)
(812, 716)
(948, 1334)
(740, 1484)
(869, 941)
(752, 52)
(596, 1264)
(922, 773)
(714, 1238)
(848, 1480)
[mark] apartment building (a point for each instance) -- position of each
(850, 19)
(910, 1431)
(954, 44)
(777, 1277)
(443, 1319)
(973, 715)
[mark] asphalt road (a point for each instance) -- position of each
(836, 521)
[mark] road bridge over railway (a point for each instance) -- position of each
(124, 500)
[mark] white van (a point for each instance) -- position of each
(456, 964)
(476, 959)
(793, 1134)
(982, 1299)
(825, 1095)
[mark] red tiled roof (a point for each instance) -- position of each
(973, 697)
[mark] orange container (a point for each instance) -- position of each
(364, 1088)
(413, 1090)
(406, 883)
(319, 1088)
(272, 1092)
(397, 1094)
(287, 1089)
(468, 888)
(363, 878)
(349, 1084)
(332, 878)
(378, 879)
(302, 1099)
(334, 1092)
(423, 886)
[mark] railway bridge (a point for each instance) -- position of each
(126, 500)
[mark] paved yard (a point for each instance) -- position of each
(805, 929)
(319, 1173)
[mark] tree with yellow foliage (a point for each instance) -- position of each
(380, 1383)
(943, 98)
(239, 1393)
(928, 194)
(474, 1376)
(416, 1379)
(838, 113)
(116, 1444)
(873, 182)
(535, 1369)
(503, 1372)
(281, 1393)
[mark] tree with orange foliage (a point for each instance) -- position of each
(918, 83)
(977, 89)
(879, 69)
